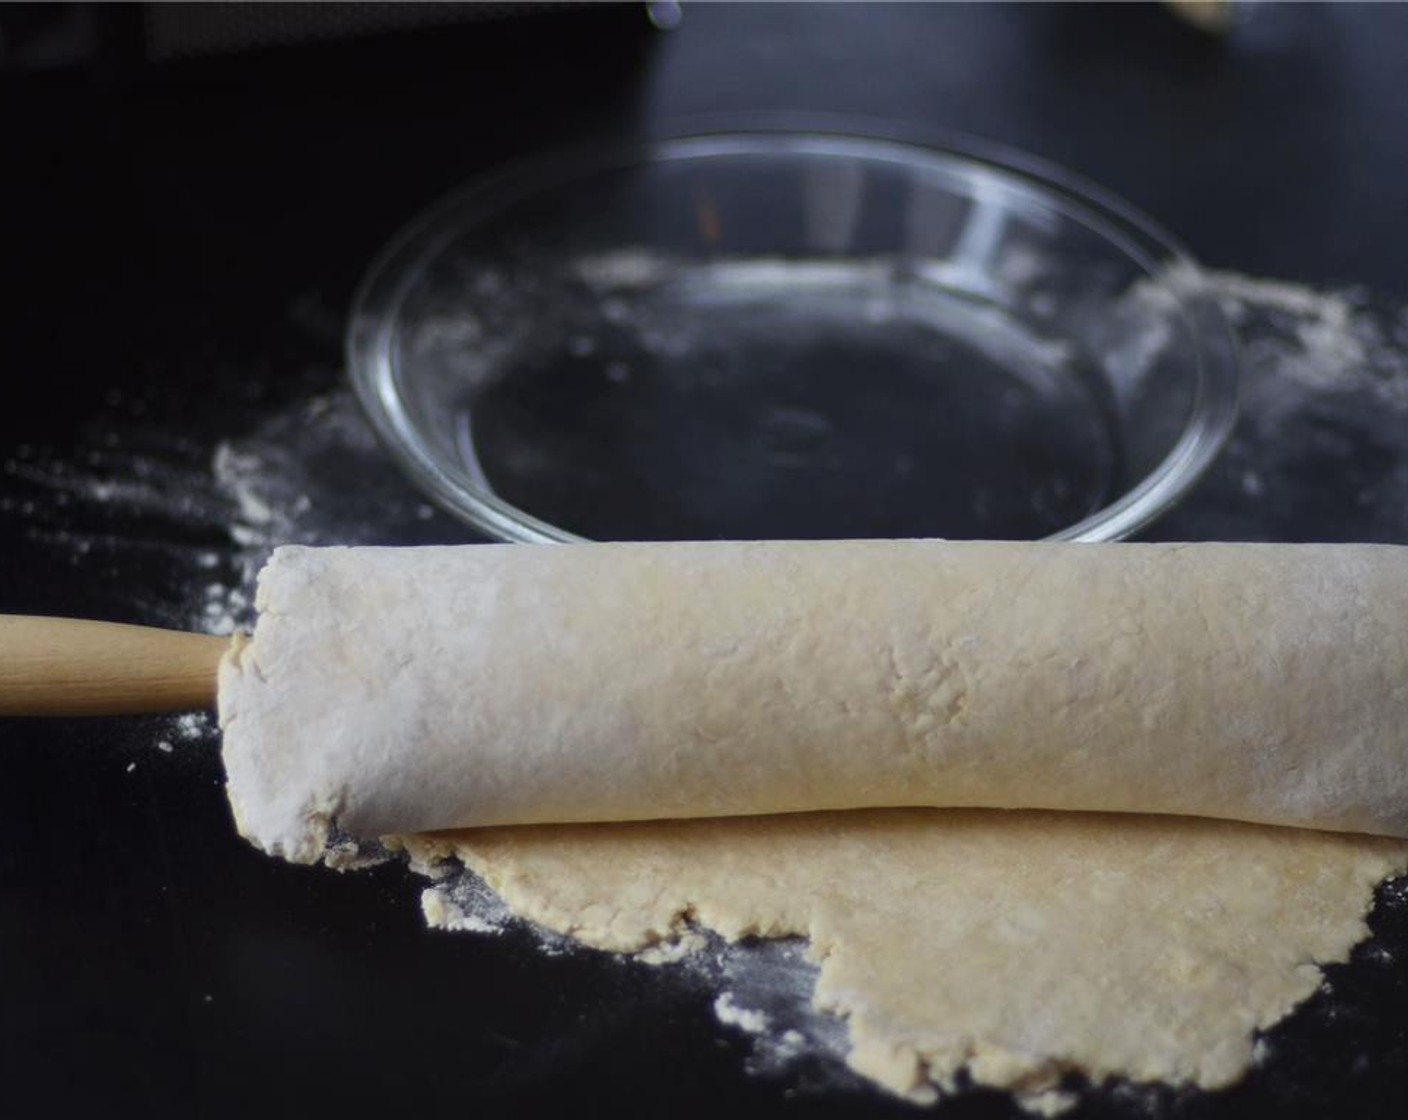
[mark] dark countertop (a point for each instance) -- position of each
(181, 243)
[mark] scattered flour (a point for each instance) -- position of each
(460, 900)
(765, 989)
(190, 727)
(755, 1022)
(1325, 403)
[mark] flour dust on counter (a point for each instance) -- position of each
(1010, 949)
(963, 962)
(762, 986)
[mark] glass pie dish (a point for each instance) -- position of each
(774, 332)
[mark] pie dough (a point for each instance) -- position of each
(1017, 945)
(390, 690)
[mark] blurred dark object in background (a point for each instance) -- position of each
(175, 171)
(128, 38)
(36, 37)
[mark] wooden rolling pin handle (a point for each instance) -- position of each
(71, 667)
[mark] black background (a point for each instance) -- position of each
(187, 236)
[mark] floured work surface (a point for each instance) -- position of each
(398, 688)
(1017, 946)
(1319, 445)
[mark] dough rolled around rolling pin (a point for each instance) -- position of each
(409, 689)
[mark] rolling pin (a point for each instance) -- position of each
(76, 667)
(390, 690)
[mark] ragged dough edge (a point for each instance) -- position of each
(299, 834)
(919, 1070)
(902, 1069)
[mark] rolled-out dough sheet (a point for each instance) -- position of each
(1016, 945)
(395, 690)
